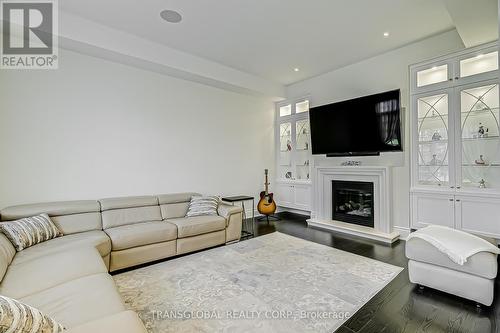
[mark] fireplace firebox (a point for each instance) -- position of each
(352, 202)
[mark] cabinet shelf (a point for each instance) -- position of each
(463, 165)
(428, 142)
(488, 138)
(496, 165)
(470, 113)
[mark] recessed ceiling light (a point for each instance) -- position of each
(296, 69)
(386, 34)
(171, 16)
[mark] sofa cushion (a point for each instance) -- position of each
(75, 223)
(51, 270)
(69, 216)
(119, 217)
(192, 226)
(482, 264)
(97, 239)
(122, 322)
(141, 255)
(129, 210)
(128, 202)
(30, 231)
(175, 205)
(18, 317)
(79, 301)
(7, 253)
(138, 234)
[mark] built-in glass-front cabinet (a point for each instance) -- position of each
(456, 141)
(294, 159)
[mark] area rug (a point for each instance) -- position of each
(272, 283)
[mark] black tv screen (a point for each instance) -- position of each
(360, 126)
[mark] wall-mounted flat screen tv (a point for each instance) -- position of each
(362, 126)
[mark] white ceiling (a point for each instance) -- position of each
(269, 38)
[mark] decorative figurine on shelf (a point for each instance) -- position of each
(480, 131)
(306, 162)
(304, 131)
(288, 175)
(434, 160)
(289, 145)
(307, 175)
(482, 183)
(436, 136)
(306, 146)
(480, 161)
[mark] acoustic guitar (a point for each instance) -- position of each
(266, 205)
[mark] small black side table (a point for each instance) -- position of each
(246, 230)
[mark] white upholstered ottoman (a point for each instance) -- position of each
(453, 261)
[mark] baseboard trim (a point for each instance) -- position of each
(293, 210)
(403, 232)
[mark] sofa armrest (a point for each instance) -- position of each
(226, 210)
(234, 221)
(123, 322)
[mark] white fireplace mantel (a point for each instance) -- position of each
(322, 200)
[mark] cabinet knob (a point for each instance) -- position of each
(450, 79)
(457, 200)
(456, 78)
(459, 187)
(450, 199)
(452, 186)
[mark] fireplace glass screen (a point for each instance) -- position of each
(352, 202)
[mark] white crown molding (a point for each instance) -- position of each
(91, 38)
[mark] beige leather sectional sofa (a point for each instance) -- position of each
(67, 277)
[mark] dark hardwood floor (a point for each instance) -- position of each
(400, 306)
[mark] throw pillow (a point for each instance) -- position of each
(29, 231)
(205, 205)
(18, 317)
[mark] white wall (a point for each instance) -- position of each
(384, 72)
(95, 128)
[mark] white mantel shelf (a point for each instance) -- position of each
(383, 230)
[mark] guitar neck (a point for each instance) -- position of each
(267, 185)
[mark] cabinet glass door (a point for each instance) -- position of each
(302, 156)
(479, 64)
(285, 110)
(433, 75)
(433, 140)
(285, 158)
(479, 127)
(302, 106)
